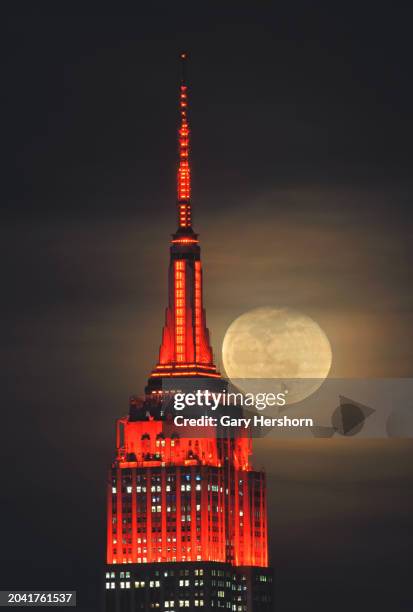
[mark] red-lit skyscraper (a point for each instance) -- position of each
(186, 517)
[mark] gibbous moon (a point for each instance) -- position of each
(277, 343)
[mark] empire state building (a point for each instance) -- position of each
(186, 516)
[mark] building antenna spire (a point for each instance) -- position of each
(184, 59)
(184, 171)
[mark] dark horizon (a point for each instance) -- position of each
(302, 137)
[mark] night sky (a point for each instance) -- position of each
(302, 132)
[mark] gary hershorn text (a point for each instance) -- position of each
(255, 421)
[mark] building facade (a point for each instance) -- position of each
(186, 516)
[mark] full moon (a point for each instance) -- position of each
(277, 343)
